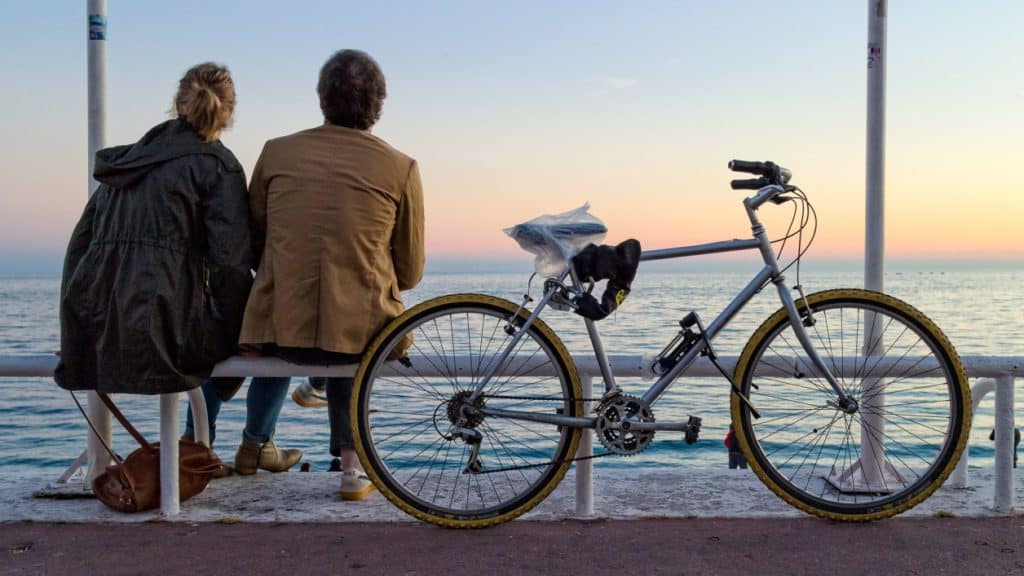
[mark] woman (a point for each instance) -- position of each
(158, 269)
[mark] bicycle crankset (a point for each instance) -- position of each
(616, 417)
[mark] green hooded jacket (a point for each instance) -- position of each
(158, 269)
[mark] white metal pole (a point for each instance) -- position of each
(585, 468)
(874, 225)
(1003, 492)
(97, 63)
(170, 497)
(97, 54)
(872, 461)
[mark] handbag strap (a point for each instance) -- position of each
(124, 421)
(113, 454)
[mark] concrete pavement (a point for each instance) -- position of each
(681, 521)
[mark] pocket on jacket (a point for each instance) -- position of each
(204, 342)
(202, 348)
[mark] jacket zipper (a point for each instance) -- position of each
(208, 292)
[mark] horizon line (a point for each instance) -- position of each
(49, 265)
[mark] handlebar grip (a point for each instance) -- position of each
(749, 167)
(749, 184)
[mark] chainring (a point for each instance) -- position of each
(615, 417)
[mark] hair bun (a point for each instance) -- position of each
(206, 99)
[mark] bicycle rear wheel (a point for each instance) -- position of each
(906, 434)
(403, 412)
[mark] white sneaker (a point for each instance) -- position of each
(355, 485)
(307, 396)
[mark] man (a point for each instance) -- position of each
(338, 216)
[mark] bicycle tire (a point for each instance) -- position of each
(913, 407)
(408, 453)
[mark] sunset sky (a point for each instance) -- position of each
(515, 109)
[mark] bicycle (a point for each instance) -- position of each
(848, 404)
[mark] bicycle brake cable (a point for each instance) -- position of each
(788, 233)
(809, 217)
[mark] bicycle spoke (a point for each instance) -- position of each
(423, 420)
(872, 455)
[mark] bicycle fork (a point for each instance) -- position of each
(843, 401)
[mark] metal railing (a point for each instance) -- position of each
(997, 373)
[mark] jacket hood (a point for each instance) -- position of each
(123, 166)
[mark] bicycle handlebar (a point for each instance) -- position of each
(759, 168)
(770, 172)
(750, 184)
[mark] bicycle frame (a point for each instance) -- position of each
(769, 273)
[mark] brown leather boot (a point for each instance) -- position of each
(252, 456)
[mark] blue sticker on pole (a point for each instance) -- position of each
(97, 27)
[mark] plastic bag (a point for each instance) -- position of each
(555, 238)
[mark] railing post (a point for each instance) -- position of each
(200, 420)
(97, 454)
(585, 468)
(978, 391)
(1003, 497)
(170, 503)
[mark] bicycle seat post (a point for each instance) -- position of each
(610, 387)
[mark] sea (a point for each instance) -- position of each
(978, 306)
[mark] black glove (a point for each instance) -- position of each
(617, 264)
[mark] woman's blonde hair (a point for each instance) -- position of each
(206, 99)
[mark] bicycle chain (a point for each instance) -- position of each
(548, 398)
(548, 463)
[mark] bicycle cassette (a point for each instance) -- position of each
(616, 417)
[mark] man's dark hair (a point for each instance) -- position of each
(351, 89)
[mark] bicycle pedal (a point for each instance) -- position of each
(692, 430)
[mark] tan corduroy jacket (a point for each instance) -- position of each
(338, 214)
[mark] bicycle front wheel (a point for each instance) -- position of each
(494, 468)
(886, 453)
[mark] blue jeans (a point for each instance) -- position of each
(737, 460)
(263, 405)
(339, 390)
(339, 397)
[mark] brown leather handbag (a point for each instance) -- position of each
(132, 484)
